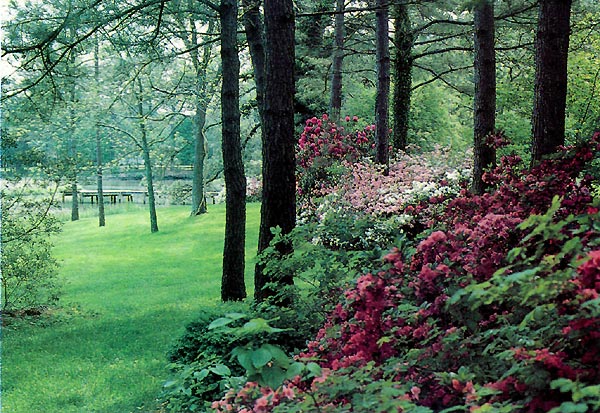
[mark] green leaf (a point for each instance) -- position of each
(565, 385)
(236, 316)
(201, 375)
(294, 370)
(522, 276)
(314, 369)
(278, 355)
(260, 357)
(273, 376)
(221, 370)
(243, 357)
(220, 322)
(570, 407)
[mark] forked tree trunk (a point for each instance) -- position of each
(551, 53)
(279, 181)
(233, 287)
(484, 110)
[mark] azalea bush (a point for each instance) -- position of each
(338, 181)
(497, 310)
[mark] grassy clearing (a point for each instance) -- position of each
(128, 294)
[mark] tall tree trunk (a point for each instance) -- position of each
(201, 66)
(279, 180)
(551, 53)
(99, 182)
(484, 114)
(383, 85)
(73, 161)
(335, 101)
(72, 148)
(233, 287)
(403, 41)
(254, 29)
(145, 147)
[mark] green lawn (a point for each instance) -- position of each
(128, 295)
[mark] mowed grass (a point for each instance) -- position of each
(128, 295)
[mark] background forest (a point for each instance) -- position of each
(420, 178)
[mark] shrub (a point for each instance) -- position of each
(497, 311)
(29, 271)
(200, 366)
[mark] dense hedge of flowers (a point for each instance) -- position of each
(497, 311)
(338, 180)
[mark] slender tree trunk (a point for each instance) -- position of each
(149, 183)
(99, 186)
(198, 193)
(145, 147)
(201, 65)
(254, 28)
(383, 85)
(403, 40)
(279, 181)
(73, 161)
(73, 145)
(484, 114)
(75, 199)
(233, 287)
(551, 53)
(335, 102)
(101, 214)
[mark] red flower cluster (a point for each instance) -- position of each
(324, 139)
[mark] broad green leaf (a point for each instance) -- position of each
(260, 357)
(294, 370)
(220, 322)
(314, 369)
(221, 370)
(201, 375)
(273, 376)
(278, 355)
(243, 357)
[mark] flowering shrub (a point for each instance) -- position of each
(322, 139)
(322, 147)
(497, 311)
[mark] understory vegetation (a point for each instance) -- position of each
(413, 294)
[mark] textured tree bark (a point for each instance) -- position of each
(254, 28)
(551, 53)
(383, 85)
(335, 101)
(233, 287)
(484, 110)
(403, 40)
(279, 181)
